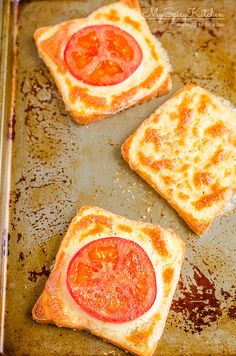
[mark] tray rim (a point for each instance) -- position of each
(8, 30)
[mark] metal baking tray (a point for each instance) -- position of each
(50, 167)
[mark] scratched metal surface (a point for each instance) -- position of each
(58, 166)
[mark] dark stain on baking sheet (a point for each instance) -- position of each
(19, 237)
(198, 302)
(232, 312)
(158, 34)
(58, 166)
(34, 275)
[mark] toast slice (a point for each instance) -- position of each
(186, 151)
(140, 71)
(130, 311)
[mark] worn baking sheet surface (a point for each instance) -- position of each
(58, 166)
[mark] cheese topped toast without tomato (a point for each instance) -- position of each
(106, 62)
(186, 151)
(114, 277)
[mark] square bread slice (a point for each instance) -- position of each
(130, 311)
(86, 99)
(186, 151)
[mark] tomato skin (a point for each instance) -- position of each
(112, 279)
(102, 55)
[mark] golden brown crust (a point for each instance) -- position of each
(146, 84)
(197, 227)
(133, 23)
(155, 165)
(125, 228)
(151, 136)
(184, 114)
(133, 4)
(217, 129)
(39, 311)
(168, 275)
(205, 103)
(40, 315)
(141, 337)
(82, 94)
(38, 33)
(83, 119)
(210, 199)
(218, 156)
(97, 223)
(128, 348)
(99, 102)
(157, 240)
(112, 15)
(216, 193)
(87, 220)
(207, 200)
(160, 91)
(49, 306)
(126, 147)
(100, 108)
(202, 178)
(52, 307)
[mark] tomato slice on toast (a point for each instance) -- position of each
(112, 279)
(102, 55)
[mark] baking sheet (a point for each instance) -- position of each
(58, 166)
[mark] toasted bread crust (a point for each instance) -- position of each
(201, 179)
(39, 32)
(82, 119)
(85, 103)
(55, 307)
(197, 227)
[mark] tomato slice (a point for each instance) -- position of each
(112, 279)
(102, 55)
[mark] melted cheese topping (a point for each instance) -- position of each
(165, 251)
(84, 98)
(186, 151)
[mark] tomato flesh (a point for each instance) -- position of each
(112, 279)
(102, 55)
